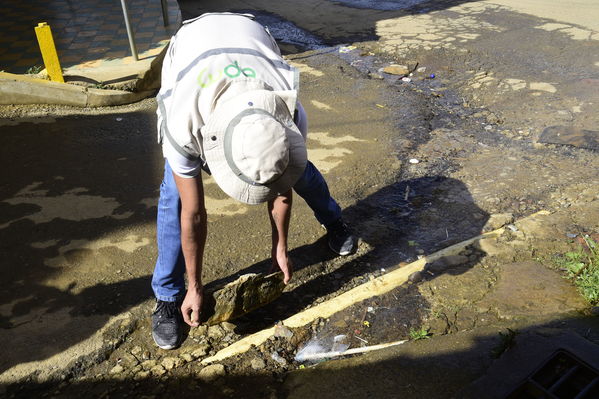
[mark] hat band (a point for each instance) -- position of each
(228, 139)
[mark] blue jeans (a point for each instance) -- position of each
(168, 280)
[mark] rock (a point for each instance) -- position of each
(118, 369)
(498, 220)
(136, 350)
(158, 371)
(170, 363)
(415, 277)
(212, 372)
(282, 331)
(148, 364)
(201, 351)
(437, 266)
(440, 265)
(396, 70)
(279, 359)
(129, 361)
(229, 327)
(215, 333)
(199, 331)
(228, 338)
(187, 357)
(243, 295)
(141, 375)
(258, 363)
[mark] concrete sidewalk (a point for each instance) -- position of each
(93, 48)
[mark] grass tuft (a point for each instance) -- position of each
(421, 333)
(582, 267)
(34, 70)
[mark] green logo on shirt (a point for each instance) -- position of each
(233, 70)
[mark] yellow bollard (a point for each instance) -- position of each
(48, 49)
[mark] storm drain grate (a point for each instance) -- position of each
(562, 376)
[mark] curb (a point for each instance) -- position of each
(81, 355)
(378, 286)
(18, 89)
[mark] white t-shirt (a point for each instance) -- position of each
(204, 54)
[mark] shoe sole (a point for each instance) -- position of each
(165, 347)
(342, 253)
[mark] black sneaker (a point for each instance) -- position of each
(341, 239)
(166, 324)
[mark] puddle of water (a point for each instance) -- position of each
(378, 320)
(287, 32)
(387, 5)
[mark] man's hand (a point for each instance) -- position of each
(193, 239)
(192, 306)
(282, 261)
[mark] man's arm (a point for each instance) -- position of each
(193, 239)
(279, 211)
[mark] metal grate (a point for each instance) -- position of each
(562, 376)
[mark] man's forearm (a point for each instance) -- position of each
(193, 240)
(280, 214)
(193, 227)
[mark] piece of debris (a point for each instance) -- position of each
(257, 363)
(282, 331)
(326, 355)
(247, 293)
(415, 277)
(406, 80)
(414, 161)
(278, 358)
(512, 227)
(394, 69)
(346, 49)
(212, 372)
(498, 220)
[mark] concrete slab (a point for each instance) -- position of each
(529, 353)
(18, 89)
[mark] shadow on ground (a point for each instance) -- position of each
(331, 22)
(76, 228)
(440, 367)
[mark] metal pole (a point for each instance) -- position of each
(129, 31)
(164, 12)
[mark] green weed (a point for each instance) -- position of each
(421, 333)
(34, 70)
(582, 267)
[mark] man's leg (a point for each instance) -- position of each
(314, 190)
(168, 281)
